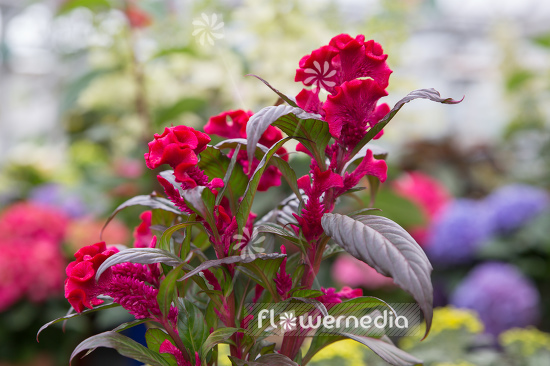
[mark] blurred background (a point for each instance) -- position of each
(85, 83)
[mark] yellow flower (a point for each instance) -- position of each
(529, 340)
(446, 318)
(351, 353)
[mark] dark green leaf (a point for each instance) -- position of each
(307, 293)
(164, 242)
(124, 345)
(140, 255)
(318, 343)
(430, 94)
(216, 337)
(168, 290)
(281, 232)
(389, 249)
(155, 337)
(192, 327)
(130, 324)
(272, 359)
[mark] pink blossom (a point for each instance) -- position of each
(352, 272)
(142, 233)
(332, 297)
(282, 280)
(168, 347)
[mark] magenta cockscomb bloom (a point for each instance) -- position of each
(310, 218)
(282, 280)
(134, 286)
(332, 297)
(142, 233)
(344, 59)
(232, 124)
(169, 348)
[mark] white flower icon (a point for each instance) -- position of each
(208, 29)
(251, 243)
(287, 321)
(320, 74)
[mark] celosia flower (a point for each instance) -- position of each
(332, 297)
(344, 59)
(502, 296)
(515, 205)
(349, 271)
(310, 218)
(81, 289)
(142, 233)
(232, 124)
(178, 147)
(282, 280)
(368, 166)
(462, 227)
(169, 348)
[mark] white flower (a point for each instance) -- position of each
(287, 321)
(320, 75)
(207, 29)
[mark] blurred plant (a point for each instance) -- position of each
(486, 290)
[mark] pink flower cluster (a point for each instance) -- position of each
(232, 124)
(31, 263)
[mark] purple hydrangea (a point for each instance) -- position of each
(56, 195)
(500, 294)
(514, 205)
(463, 226)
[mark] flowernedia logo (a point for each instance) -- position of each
(207, 29)
(314, 318)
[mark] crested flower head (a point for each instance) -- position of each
(502, 296)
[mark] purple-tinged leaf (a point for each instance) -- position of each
(216, 337)
(123, 345)
(389, 249)
(140, 255)
(386, 350)
(230, 260)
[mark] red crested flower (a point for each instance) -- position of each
(352, 110)
(332, 297)
(142, 233)
(310, 218)
(81, 289)
(344, 59)
(169, 348)
(178, 147)
(283, 281)
(309, 101)
(368, 166)
(232, 124)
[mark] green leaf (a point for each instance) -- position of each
(284, 167)
(74, 315)
(387, 351)
(261, 348)
(281, 232)
(164, 242)
(430, 94)
(216, 337)
(155, 337)
(228, 174)
(140, 255)
(243, 211)
(124, 345)
(295, 122)
(93, 5)
(145, 200)
(167, 114)
(289, 100)
(168, 290)
(215, 164)
(389, 249)
(307, 293)
(317, 344)
(243, 259)
(122, 327)
(192, 327)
